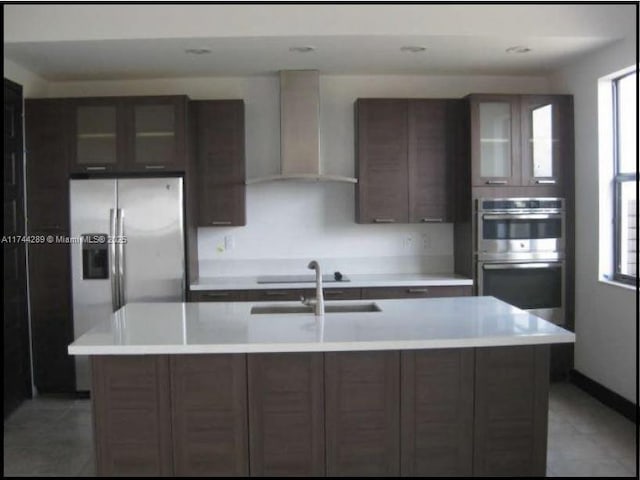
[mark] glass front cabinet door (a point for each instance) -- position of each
(97, 136)
(495, 140)
(157, 133)
(544, 125)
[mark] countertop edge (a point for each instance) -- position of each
(321, 347)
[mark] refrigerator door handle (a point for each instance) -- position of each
(120, 239)
(113, 261)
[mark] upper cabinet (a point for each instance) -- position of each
(519, 140)
(128, 134)
(404, 154)
(219, 133)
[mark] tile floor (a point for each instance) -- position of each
(52, 437)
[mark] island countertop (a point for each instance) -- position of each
(198, 328)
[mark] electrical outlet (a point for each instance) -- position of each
(229, 242)
(426, 242)
(407, 242)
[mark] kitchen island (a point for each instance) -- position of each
(443, 386)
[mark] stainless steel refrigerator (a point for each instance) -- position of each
(127, 246)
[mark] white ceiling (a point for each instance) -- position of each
(90, 42)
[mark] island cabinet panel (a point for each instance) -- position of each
(363, 413)
(511, 404)
(132, 415)
(286, 414)
(437, 412)
(209, 415)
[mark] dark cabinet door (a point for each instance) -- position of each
(49, 143)
(381, 161)
(363, 413)
(155, 129)
(495, 140)
(286, 414)
(547, 123)
(432, 144)
(131, 408)
(437, 412)
(511, 405)
(221, 162)
(209, 415)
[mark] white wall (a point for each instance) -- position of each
(289, 223)
(606, 325)
(32, 84)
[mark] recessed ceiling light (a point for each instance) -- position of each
(302, 49)
(197, 51)
(412, 48)
(518, 49)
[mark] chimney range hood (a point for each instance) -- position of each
(299, 130)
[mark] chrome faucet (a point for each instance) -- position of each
(318, 302)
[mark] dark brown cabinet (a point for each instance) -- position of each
(132, 412)
(47, 146)
(209, 415)
(416, 292)
(405, 150)
(381, 161)
(219, 126)
(128, 134)
(362, 413)
(519, 140)
(511, 405)
(437, 412)
(286, 414)
(433, 144)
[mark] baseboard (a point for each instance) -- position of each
(610, 398)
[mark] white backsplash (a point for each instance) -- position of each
(291, 223)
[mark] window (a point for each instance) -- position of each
(625, 128)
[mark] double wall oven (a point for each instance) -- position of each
(520, 253)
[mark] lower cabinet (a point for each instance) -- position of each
(209, 415)
(512, 399)
(436, 420)
(286, 414)
(442, 412)
(362, 409)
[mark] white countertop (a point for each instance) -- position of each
(211, 327)
(356, 281)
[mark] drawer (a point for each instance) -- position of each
(218, 296)
(342, 293)
(279, 294)
(416, 292)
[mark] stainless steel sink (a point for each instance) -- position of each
(328, 308)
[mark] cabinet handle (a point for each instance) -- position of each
(215, 294)
(275, 293)
(333, 292)
(496, 182)
(384, 220)
(545, 182)
(221, 222)
(95, 169)
(417, 290)
(154, 167)
(432, 220)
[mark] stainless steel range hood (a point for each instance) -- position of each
(299, 130)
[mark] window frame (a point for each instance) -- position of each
(618, 180)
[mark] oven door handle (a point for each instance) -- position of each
(522, 216)
(509, 266)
